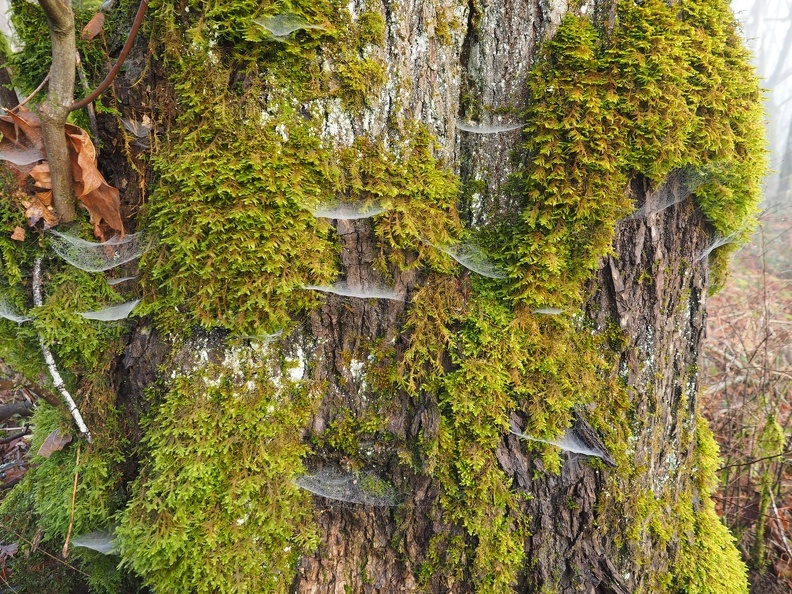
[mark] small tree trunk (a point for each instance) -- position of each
(58, 104)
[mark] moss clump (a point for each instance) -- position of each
(232, 198)
(419, 191)
(82, 348)
(43, 501)
(215, 508)
(358, 79)
(482, 361)
(247, 162)
(669, 88)
(84, 351)
(51, 481)
(371, 28)
(247, 214)
(32, 571)
(81, 344)
(708, 561)
(672, 87)
(347, 432)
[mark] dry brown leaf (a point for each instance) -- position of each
(104, 203)
(93, 27)
(41, 175)
(22, 148)
(55, 442)
(36, 211)
(22, 143)
(18, 234)
(84, 165)
(29, 122)
(45, 198)
(100, 198)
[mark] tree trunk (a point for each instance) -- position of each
(389, 379)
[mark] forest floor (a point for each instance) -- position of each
(746, 395)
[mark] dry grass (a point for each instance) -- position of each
(746, 389)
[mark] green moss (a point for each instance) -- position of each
(80, 344)
(359, 79)
(32, 570)
(376, 487)
(43, 501)
(247, 213)
(708, 561)
(84, 351)
(419, 190)
(495, 362)
(347, 431)
(233, 200)
(603, 111)
(371, 27)
(215, 508)
(238, 177)
(82, 348)
(51, 481)
(671, 88)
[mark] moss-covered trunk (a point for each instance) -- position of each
(272, 432)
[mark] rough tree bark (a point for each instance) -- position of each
(575, 543)
(653, 289)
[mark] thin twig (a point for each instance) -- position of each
(725, 384)
(57, 380)
(65, 551)
(780, 525)
(36, 547)
(749, 507)
(90, 109)
(119, 62)
(33, 94)
(754, 461)
(9, 587)
(20, 433)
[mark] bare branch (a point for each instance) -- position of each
(57, 380)
(33, 94)
(23, 409)
(31, 389)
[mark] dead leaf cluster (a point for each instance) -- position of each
(22, 149)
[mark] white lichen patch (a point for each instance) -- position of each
(554, 11)
(296, 365)
(356, 369)
(337, 127)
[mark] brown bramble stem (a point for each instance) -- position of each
(119, 62)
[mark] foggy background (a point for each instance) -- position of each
(767, 27)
